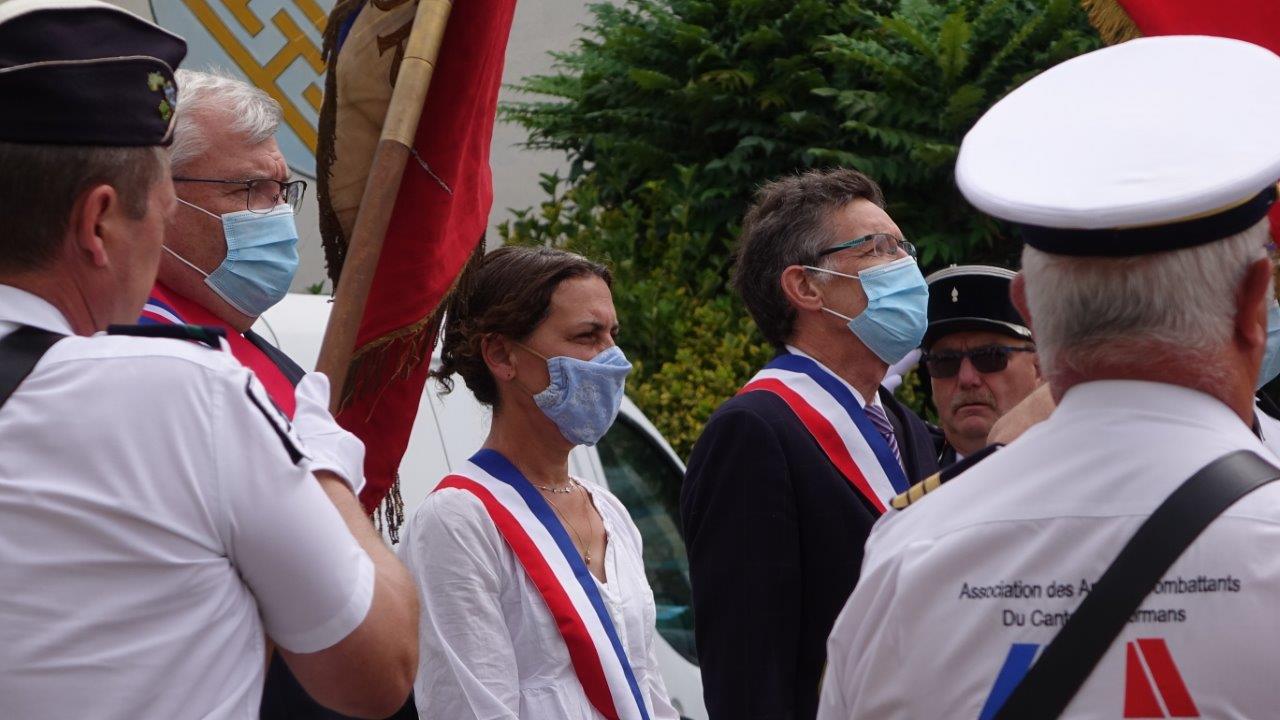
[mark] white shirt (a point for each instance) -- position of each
(490, 648)
(1000, 554)
(152, 522)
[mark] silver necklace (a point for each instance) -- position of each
(586, 549)
(557, 490)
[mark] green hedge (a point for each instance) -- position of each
(672, 112)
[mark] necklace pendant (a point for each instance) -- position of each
(587, 556)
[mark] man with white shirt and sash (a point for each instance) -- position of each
(1119, 558)
(789, 475)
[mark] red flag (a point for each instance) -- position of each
(441, 210)
(1257, 21)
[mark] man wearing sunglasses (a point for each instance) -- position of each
(978, 353)
(790, 474)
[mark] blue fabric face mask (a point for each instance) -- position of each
(897, 311)
(262, 258)
(584, 396)
(1271, 357)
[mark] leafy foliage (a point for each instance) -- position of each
(672, 112)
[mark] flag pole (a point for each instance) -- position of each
(383, 185)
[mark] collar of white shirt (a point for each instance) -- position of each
(875, 397)
(1153, 398)
(19, 307)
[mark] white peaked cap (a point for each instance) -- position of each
(1154, 144)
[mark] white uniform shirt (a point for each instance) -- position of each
(1000, 555)
(152, 522)
(490, 648)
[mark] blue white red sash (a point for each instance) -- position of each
(533, 532)
(158, 312)
(831, 413)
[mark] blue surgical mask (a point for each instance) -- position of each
(262, 258)
(897, 311)
(1271, 357)
(584, 396)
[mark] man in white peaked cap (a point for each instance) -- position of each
(1139, 176)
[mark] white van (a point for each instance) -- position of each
(632, 460)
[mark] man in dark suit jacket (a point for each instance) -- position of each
(789, 475)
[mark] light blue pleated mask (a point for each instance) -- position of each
(584, 396)
(897, 311)
(262, 258)
(1271, 357)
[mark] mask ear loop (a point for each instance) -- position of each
(197, 207)
(826, 309)
(544, 359)
(183, 260)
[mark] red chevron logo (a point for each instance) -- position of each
(1153, 687)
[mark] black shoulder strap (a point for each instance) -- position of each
(20, 350)
(290, 369)
(204, 334)
(1067, 662)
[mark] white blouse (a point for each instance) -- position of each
(489, 648)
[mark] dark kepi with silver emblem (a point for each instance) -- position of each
(82, 72)
(972, 298)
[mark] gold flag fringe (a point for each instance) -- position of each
(1111, 21)
(331, 235)
(407, 348)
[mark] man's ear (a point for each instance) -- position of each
(95, 217)
(1252, 304)
(801, 288)
(1018, 294)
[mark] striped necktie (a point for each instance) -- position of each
(876, 415)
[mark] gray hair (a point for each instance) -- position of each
(253, 114)
(789, 224)
(1176, 306)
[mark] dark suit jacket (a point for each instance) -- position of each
(774, 534)
(283, 697)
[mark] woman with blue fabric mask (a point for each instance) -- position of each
(534, 596)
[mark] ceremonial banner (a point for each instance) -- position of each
(1257, 21)
(831, 413)
(440, 212)
(531, 529)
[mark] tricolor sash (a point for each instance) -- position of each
(534, 533)
(833, 416)
(165, 307)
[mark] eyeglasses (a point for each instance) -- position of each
(263, 195)
(881, 244)
(986, 359)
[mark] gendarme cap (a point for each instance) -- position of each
(968, 298)
(1154, 144)
(82, 72)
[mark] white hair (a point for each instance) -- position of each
(203, 96)
(1177, 306)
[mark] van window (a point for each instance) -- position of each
(645, 479)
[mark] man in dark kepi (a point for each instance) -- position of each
(979, 354)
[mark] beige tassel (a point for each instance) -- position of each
(1111, 21)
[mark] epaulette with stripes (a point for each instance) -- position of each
(203, 334)
(936, 480)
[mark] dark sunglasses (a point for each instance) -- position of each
(986, 359)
